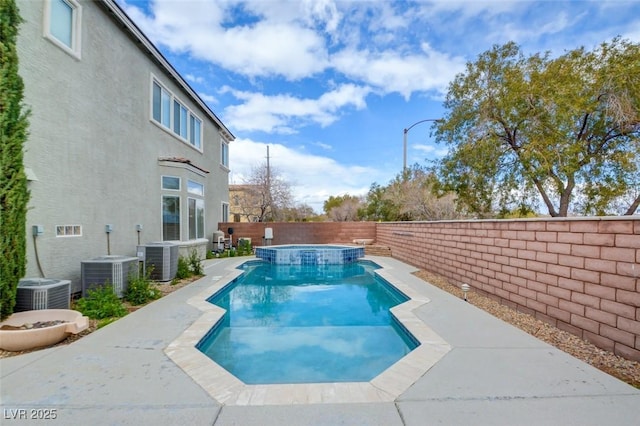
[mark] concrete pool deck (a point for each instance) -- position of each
(493, 374)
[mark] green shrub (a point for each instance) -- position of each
(183, 270)
(244, 248)
(141, 290)
(195, 264)
(101, 303)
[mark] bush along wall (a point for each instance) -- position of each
(14, 194)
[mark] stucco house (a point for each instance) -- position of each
(121, 150)
(244, 203)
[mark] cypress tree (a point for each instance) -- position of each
(14, 194)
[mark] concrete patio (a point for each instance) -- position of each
(494, 374)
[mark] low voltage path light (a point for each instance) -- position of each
(404, 139)
(465, 288)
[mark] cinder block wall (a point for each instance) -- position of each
(302, 232)
(581, 275)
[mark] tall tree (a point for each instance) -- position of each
(562, 130)
(378, 207)
(14, 194)
(413, 194)
(299, 213)
(342, 208)
(267, 195)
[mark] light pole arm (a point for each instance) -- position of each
(404, 138)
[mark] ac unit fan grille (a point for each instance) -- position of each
(55, 296)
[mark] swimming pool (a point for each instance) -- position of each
(307, 324)
(227, 389)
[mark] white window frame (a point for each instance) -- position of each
(224, 153)
(195, 188)
(192, 137)
(75, 49)
(179, 127)
(195, 132)
(198, 232)
(225, 212)
(179, 216)
(170, 189)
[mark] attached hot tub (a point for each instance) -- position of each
(309, 254)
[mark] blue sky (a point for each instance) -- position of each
(330, 85)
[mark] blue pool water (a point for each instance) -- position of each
(307, 324)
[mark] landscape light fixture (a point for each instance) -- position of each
(465, 288)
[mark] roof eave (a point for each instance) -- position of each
(133, 29)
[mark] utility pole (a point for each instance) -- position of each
(269, 199)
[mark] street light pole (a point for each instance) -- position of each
(404, 139)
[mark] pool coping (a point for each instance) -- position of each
(229, 390)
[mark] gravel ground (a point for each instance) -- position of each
(624, 369)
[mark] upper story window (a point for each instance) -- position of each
(224, 149)
(173, 116)
(161, 105)
(180, 115)
(195, 130)
(62, 24)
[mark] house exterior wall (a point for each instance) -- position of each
(581, 275)
(94, 149)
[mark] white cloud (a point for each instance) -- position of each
(313, 178)
(431, 150)
(392, 71)
(283, 113)
(194, 79)
(322, 12)
(262, 48)
(283, 41)
(208, 98)
(323, 145)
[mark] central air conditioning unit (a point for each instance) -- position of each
(112, 270)
(161, 259)
(42, 293)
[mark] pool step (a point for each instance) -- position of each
(376, 250)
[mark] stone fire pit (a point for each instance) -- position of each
(44, 327)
